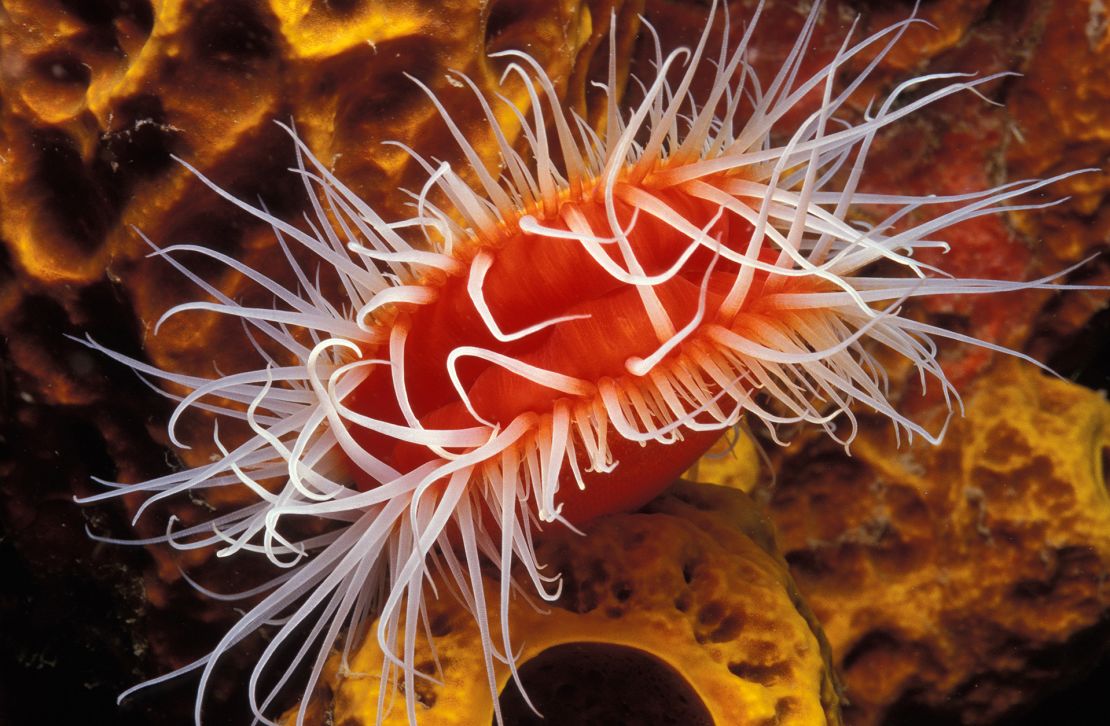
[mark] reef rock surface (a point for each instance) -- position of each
(683, 613)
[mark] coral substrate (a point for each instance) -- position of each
(692, 584)
(960, 582)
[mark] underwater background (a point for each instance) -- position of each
(963, 584)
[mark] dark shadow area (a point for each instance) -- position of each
(599, 684)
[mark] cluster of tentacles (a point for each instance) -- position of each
(553, 336)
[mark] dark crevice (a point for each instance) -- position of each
(503, 15)
(107, 12)
(600, 684)
(1084, 358)
(77, 203)
(233, 33)
(139, 145)
(1008, 13)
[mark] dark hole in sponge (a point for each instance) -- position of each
(599, 684)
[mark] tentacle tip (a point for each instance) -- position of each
(637, 366)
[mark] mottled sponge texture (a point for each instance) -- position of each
(956, 579)
(701, 618)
